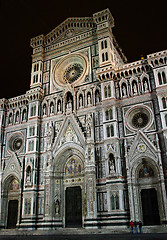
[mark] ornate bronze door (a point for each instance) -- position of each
(73, 207)
(12, 213)
(150, 207)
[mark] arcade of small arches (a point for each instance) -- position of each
(70, 103)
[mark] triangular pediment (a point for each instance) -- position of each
(13, 167)
(71, 27)
(142, 146)
(70, 132)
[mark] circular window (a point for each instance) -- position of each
(15, 142)
(138, 117)
(140, 120)
(70, 70)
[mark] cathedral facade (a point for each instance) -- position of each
(86, 146)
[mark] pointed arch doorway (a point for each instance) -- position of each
(13, 204)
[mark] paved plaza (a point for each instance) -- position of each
(146, 236)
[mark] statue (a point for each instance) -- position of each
(10, 118)
(57, 208)
(124, 91)
(145, 86)
(24, 115)
(28, 175)
(80, 102)
(111, 163)
(111, 167)
(51, 108)
(134, 87)
(59, 107)
(89, 99)
(44, 109)
(69, 104)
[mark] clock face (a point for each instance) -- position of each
(70, 70)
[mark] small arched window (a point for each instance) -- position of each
(107, 115)
(166, 119)
(117, 202)
(102, 45)
(106, 56)
(105, 92)
(34, 79)
(159, 78)
(33, 110)
(110, 113)
(103, 57)
(164, 77)
(105, 43)
(35, 68)
(112, 130)
(164, 102)
(108, 131)
(109, 90)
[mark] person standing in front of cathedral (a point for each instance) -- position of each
(140, 227)
(136, 227)
(131, 226)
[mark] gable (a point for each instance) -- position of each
(142, 146)
(70, 132)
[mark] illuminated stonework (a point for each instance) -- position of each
(86, 145)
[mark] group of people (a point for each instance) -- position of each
(137, 226)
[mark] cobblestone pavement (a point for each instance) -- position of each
(144, 236)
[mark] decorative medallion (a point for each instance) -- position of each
(141, 147)
(12, 166)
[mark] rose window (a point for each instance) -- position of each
(71, 69)
(72, 73)
(138, 117)
(17, 144)
(140, 120)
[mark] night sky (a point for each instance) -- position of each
(140, 29)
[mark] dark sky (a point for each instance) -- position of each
(140, 28)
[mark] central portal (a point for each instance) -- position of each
(73, 200)
(150, 207)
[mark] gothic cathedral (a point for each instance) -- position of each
(86, 146)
